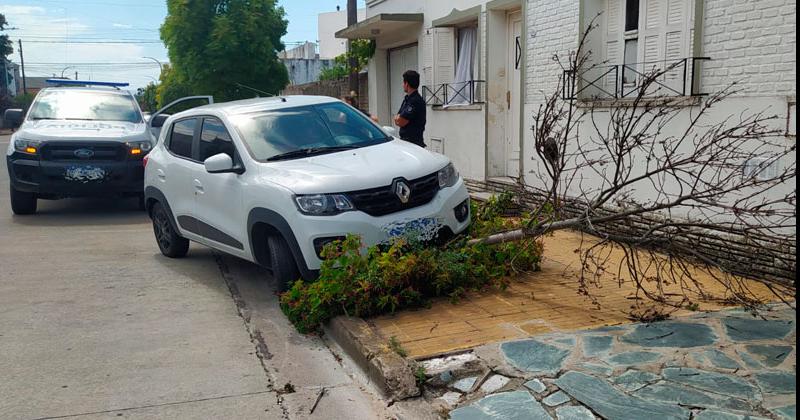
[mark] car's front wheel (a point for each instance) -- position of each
(169, 242)
(284, 267)
(23, 202)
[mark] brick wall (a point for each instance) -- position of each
(334, 89)
(753, 43)
(754, 256)
(552, 29)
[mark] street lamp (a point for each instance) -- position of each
(160, 66)
(65, 69)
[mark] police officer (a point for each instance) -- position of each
(411, 117)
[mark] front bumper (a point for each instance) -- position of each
(375, 230)
(49, 179)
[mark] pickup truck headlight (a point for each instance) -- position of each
(28, 147)
(323, 204)
(448, 176)
(139, 148)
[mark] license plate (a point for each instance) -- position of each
(422, 229)
(84, 174)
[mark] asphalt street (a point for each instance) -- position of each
(96, 323)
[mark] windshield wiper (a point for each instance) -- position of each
(310, 151)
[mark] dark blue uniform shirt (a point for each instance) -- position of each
(413, 109)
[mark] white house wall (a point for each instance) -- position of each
(460, 131)
(750, 43)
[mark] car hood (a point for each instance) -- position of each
(352, 170)
(47, 130)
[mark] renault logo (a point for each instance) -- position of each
(403, 191)
(83, 153)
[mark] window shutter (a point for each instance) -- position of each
(444, 55)
(427, 59)
(664, 29)
(615, 43)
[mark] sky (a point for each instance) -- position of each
(109, 39)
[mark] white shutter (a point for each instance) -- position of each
(664, 31)
(615, 43)
(444, 55)
(427, 59)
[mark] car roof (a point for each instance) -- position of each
(247, 106)
(87, 89)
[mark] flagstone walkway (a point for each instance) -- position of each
(713, 366)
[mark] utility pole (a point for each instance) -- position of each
(352, 19)
(22, 63)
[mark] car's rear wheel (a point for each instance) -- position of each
(284, 267)
(23, 202)
(169, 242)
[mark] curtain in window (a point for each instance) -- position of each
(460, 92)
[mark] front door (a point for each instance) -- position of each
(513, 68)
(218, 196)
(400, 60)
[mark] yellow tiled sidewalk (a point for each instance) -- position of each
(542, 302)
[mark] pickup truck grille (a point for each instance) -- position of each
(85, 152)
(383, 200)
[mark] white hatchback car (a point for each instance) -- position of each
(273, 180)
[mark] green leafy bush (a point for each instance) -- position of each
(405, 273)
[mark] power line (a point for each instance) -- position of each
(90, 42)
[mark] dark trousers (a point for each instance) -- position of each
(418, 142)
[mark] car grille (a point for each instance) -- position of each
(99, 152)
(383, 200)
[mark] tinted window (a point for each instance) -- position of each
(277, 132)
(84, 105)
(214, 139)
(180, 141)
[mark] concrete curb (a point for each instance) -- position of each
(394, 375)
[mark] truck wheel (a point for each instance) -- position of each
(284, 268)
(169, 242)
(23, 202)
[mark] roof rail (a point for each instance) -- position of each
(68, 82)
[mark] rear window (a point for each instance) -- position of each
(85, 106)
(272, 133)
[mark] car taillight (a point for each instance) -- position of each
(144, 160)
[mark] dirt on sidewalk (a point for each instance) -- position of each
(543, 302)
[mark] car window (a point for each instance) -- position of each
(214, 139)
(84, 105)
(180, 142)
(276, 132)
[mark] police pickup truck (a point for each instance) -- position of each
(78, 139)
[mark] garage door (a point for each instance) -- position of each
(400, 60)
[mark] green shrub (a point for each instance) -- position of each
(404, 273)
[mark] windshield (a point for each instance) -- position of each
(275, 135)
(84, 105)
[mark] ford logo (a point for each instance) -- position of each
(83, 153)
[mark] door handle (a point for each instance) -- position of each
(198, 187)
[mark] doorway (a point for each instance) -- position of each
(400, 60)
(514, 71)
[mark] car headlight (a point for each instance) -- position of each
(323, 204)
(29, 147)
(139, 148)
(448, 176)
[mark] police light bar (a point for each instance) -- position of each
(67, 82)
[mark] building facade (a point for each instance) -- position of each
(327, 25)
(487, 65)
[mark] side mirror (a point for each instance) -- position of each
(221, 164)
(390, 131)
(12, 118)
(157, 121)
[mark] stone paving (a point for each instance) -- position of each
(710, 366)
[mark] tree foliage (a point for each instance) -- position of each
(361, 49)
(6, 46)
(216, 46)
(146, 97)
